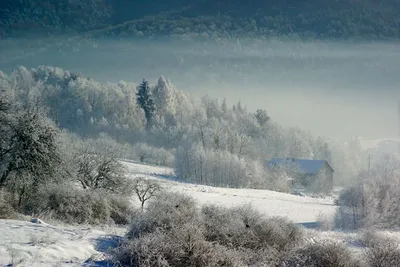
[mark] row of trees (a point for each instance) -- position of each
(52, 16)
(195, 164)
(48, 171)
(159, 120)
(231, 19)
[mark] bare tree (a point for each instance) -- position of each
(99, 169)
(145, 189)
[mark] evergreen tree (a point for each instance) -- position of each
(261, 116)
(146, 102)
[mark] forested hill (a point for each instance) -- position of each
(171, 123)
(366, 19)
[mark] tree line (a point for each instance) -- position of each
(204, 19)
(161, 123)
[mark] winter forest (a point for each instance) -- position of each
(205, 140)
(63, 136)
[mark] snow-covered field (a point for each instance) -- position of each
(28, 244)
(23, 243)
(296, 208)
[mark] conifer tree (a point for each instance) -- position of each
(146, 102)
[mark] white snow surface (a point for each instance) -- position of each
(31, 244)
(271, 203)
(24, 243)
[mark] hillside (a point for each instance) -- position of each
(258, 18)
(182, 124)
(206, 19)
(28, 244)
(296, 208)
(51, 244)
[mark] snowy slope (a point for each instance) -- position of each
(296, 208)
(34, 245)
(28, 244)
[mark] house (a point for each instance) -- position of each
(309, 174)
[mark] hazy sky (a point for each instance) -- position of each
(333, 89)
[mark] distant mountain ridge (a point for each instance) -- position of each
(359, 19)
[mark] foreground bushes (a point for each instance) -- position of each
(175, 232)
(72, 205)
(6, 210)
(244, 227)
(327, 254)
(382, 251)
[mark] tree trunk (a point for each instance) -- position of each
(3, 178)
(21, 196)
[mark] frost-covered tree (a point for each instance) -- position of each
(32, 149)
(145, 189)
(239, 107)
(6, 124)
(31, 157)
(262, 116)
(87, 108)
(165, 103)
(163, 94)
(374, 201)
(224, 106)
(195, 164)
(98, 166)
(145, 101)
(211, 107)
(146, 153)
(142, 151)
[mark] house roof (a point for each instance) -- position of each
(306, 165)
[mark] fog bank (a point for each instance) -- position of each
(332, 89)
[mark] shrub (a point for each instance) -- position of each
(382, 251)
(327, 222)
(71, 205)
(174, 232)
(264, 257)
(384, 254)
(76, 206)
(6, 210)
(244, 227)
(166, 211)
(327, 254)
(182, 246)
(120, 209)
